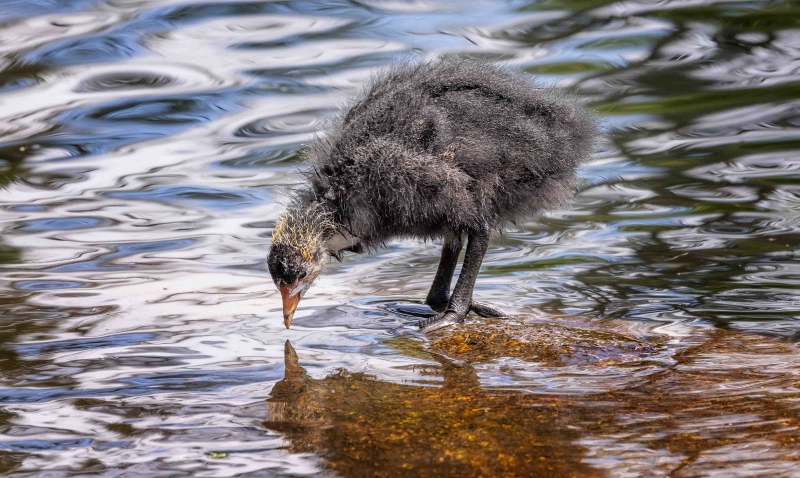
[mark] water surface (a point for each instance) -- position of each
(146, 146)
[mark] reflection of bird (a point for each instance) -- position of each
(363, 426)
(450, 150)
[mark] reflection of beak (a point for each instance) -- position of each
(289, 305)
(291, 362)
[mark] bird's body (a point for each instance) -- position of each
(451, 150)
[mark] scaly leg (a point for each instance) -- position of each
(439, 295)
(461, 300)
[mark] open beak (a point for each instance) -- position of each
(289, 305)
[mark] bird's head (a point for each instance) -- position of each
(297, 255)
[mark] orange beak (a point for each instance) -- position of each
(289, 305)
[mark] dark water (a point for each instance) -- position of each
(145, 147)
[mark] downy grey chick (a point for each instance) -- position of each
(452, 150)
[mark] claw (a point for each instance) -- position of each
(439, 321)
(446, 319)
(439, 324)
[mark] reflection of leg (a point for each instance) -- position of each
(439, 295)
(459, 375)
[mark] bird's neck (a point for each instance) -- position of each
(342, 240)
(337, 238)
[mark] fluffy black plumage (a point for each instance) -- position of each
(444, 150)
(435, 149)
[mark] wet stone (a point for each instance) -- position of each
(551, 344)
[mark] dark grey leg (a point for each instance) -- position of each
(439, 295)
(461, 300)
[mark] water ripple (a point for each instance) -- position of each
(146, 147)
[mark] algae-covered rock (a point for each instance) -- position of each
(553, 344)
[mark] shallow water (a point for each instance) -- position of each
(145, 147)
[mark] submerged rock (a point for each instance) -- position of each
(552, 344)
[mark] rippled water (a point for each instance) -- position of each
(145, 147)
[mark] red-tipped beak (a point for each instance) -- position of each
(289, 305)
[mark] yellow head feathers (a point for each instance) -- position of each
(304, 229)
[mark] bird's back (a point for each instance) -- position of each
(438, 147)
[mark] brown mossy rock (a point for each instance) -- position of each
(553, 344)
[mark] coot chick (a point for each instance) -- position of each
(452, 150)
